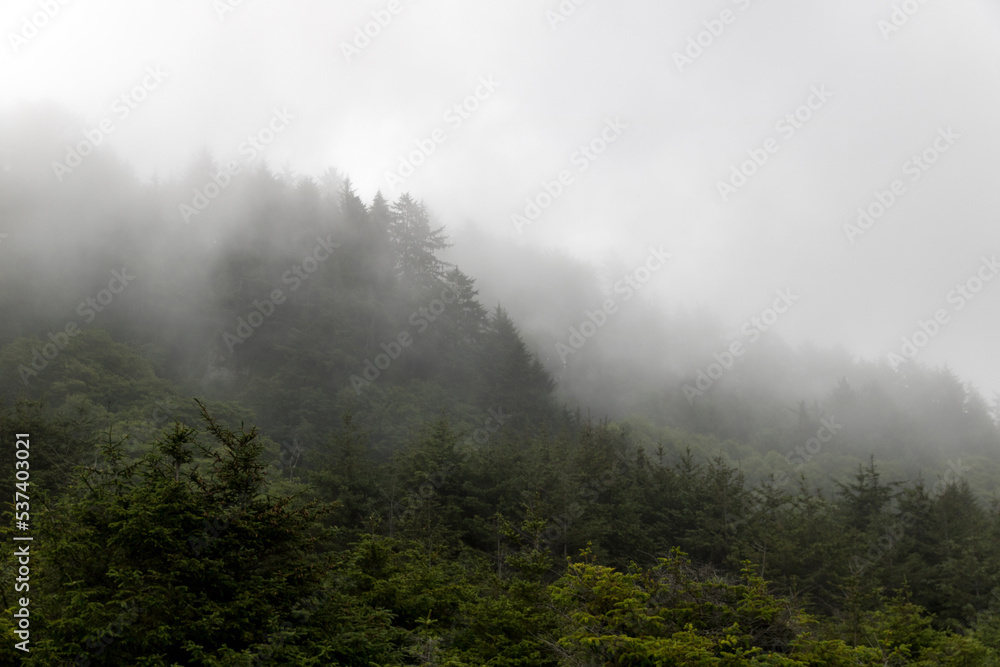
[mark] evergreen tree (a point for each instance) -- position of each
(200, 568)
(512, 378)
(416, 243)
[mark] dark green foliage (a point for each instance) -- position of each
(185, 541)
(424, 502)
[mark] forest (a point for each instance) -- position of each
(289, 431)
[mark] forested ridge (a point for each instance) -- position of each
(287, 431)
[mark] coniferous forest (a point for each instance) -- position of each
(288, 431)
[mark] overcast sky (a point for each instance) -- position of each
(873, 84)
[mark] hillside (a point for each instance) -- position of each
(283, 430)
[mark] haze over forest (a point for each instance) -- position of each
(890, 93)
(609, 280)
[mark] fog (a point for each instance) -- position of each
(443, 332)
(559, 142)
